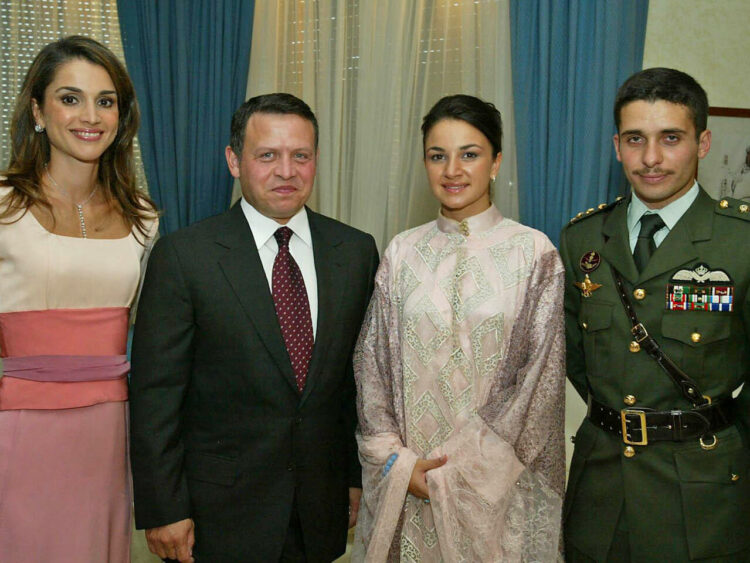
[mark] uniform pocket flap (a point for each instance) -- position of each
(595, 315)
(210, 468)
(696, 328)
(714, 466)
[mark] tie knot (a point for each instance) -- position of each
(282, 236)
(650, 224)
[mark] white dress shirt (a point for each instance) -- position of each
(300, 247)
(670, 214)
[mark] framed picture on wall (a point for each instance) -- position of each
(725, 172)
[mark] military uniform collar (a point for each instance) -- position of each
(670, 213)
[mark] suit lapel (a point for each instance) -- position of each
(678, 249)
(616, 249)
(329, 270)
(244, 271)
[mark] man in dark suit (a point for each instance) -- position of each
(242, 394)
(661, 467)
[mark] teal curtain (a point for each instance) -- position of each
(189, 61)
(568, 58)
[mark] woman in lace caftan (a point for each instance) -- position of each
(460, 371)
(73, 234)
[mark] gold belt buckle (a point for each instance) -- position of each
(642, 419)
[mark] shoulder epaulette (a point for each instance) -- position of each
(733, 208)
(594, 210)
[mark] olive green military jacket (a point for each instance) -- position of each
(681, 501)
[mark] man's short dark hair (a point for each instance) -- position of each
(665, 84)
(477, 113)
(278, 103)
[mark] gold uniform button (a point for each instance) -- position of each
(585, 325)
(696, 337)
(634, 347)
(639, 293)
(744, 208)
(629, 400)
(629, 451)
(735, 477)
(723, 204)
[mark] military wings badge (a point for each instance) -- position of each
(700, 289)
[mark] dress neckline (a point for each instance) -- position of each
(473, 225)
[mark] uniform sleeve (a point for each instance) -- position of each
(574, 357)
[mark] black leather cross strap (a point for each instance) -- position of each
(642, 426)
(684, 382)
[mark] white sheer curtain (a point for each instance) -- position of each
(28, 25)
(371, 69)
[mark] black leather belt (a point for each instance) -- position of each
(639, 427)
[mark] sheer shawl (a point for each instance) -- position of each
(499, 497)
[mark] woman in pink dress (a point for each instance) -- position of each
(459, 370)
(74, 231)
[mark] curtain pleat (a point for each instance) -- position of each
(569, 57)
(189, 62)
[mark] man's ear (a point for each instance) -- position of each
(704, 143)
(616, 142)
(233, 162)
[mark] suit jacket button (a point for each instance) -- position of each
(629, 451)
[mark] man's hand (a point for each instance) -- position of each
(418, 481)
(355, 494)
(173, 541)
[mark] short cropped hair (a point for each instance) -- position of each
(277, 103)
(477, 113)
(666, 84)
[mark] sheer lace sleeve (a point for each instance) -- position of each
(377, 369)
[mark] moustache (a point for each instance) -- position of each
(653, 172)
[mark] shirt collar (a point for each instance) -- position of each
(670, 213)
(264, 227)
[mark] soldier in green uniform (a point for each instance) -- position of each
(657, 308)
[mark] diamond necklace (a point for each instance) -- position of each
(79, 206)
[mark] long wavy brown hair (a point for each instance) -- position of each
(30, 151)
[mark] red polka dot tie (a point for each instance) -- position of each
(292, 307)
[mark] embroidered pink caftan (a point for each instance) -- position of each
(462, 354)
(64, 479)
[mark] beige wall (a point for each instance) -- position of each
(710, 40)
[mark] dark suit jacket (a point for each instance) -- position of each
(680, 502)
(219, 432)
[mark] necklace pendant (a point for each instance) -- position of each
(81, 220)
